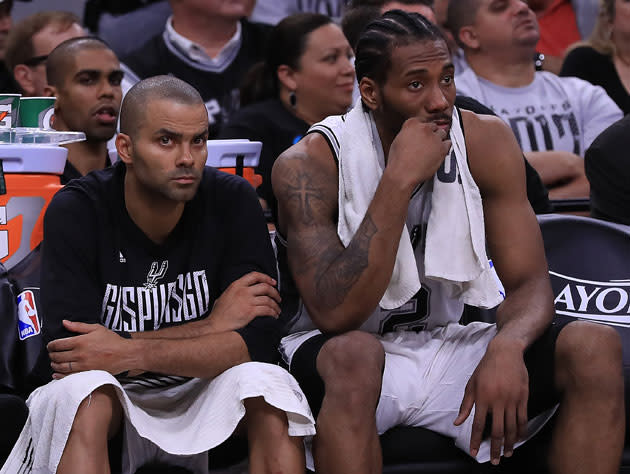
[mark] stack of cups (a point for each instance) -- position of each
(9, 110)
(36, 112)
(32, 112)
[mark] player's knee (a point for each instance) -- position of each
(257, 408)
(352, 364)
(261, 417)
(98, 415)
(589, 355)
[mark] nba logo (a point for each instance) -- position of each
(28, 321)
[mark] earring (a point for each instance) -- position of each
(292, 99)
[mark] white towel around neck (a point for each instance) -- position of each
(455, 244)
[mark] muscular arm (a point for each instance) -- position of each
(179, 351)
(341, 286)
(499, 385)
(96, 347)
(512, 232)
(562, 172)
(203, 356)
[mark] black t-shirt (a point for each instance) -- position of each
(272, 124)
(219, 90)
(99, 267)
(586, 63)
(607, 168)
(70, 172)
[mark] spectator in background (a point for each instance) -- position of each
(273, 11)
(31, 41)
(356, 19)
(84, 75)
(117, 22)
(306, 76)
(5, 24)
(423, 7)
(7, 83)
(608, 171)
(441, 15)
(554, 119)
(558, 30)
(604, 59)
(211, 46)
(361, 12)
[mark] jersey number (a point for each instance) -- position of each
(411, 316)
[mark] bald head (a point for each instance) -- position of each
(134, 106)
(461, 13)
(61, 58)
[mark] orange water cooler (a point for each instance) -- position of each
(31, 177)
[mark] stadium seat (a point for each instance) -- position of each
(589, 266)
(14, 413)
(581, 251)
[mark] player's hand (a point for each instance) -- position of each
(418, 151)
(250, 296)
(95, 348)
(499, 387)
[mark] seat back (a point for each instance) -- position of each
(589, 266)
(24, 361)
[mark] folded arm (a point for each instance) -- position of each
(242, 324)
(98, 348)
(562, 172)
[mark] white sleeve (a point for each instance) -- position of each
(466, 83)
(596, 109)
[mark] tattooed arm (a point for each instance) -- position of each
(341, 286)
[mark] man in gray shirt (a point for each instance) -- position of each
(554, 119)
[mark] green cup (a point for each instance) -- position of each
(37, 112)
(9, 108)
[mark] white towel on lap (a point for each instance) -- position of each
(455, 245)
(182, 420)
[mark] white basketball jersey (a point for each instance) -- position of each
(431, 306)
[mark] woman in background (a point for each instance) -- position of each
(604, 59)
(307, 75)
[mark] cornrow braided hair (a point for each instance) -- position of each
(381, 36)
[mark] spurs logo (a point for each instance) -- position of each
(154, 275)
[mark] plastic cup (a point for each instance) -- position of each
(37, 112)
(9, 110)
